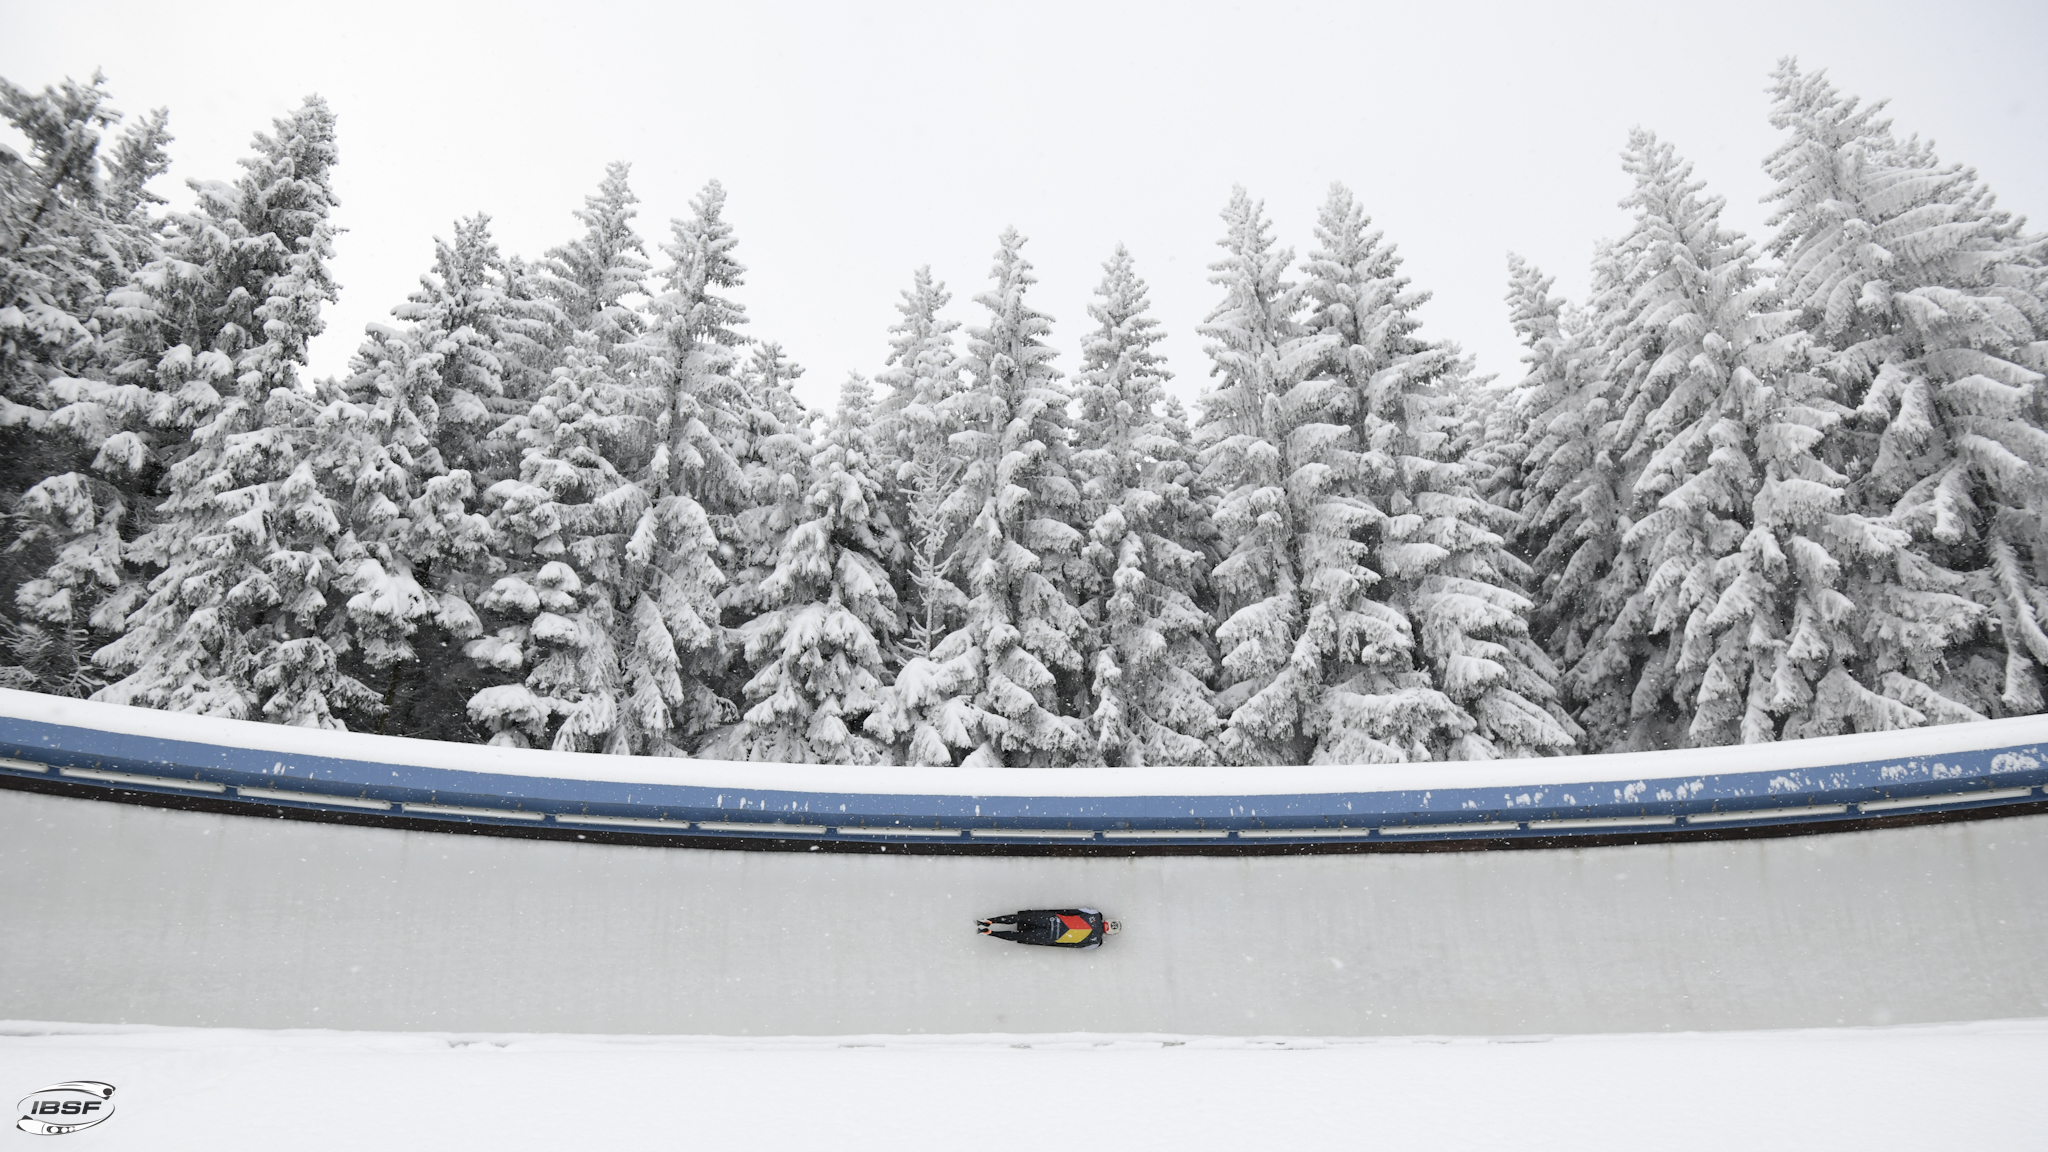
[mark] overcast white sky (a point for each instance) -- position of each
(858, 142)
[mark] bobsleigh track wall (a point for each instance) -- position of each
(171, 869)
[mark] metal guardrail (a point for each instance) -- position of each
(225, 772)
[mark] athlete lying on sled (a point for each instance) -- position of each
(1052, 927)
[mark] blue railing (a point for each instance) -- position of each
(1991, 768)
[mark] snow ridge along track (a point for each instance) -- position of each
(1843, 783)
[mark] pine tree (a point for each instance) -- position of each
(594, 277)
(1372, 609)
(1247, 418)
(821, 602)
(1152, 658)
(913, 430)
(1414, 620)
(571, 528)
(992, 685)
(429, 393)
(923, 486)
(1931, 306)
(44, 659)
(770, 377)
(238, 620)
(75, 221)
(1540, 323)
(769, 439)
(922, 371)
(699, 480)
(487, 342)
(70, 227)
(1489, 439)
(300, 671)
(856, 409)
(561, 530)
(1565, 486)
(1719, 612)
(698, 332)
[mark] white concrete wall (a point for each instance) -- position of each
(119, 913)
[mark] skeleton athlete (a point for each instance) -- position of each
(1052, 927)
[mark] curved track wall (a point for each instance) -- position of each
(1306, 915)
(68, 747)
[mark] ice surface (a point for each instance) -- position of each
(118, 913)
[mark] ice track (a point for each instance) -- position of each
(1887, 880)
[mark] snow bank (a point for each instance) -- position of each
(1790, 756)
(1973, 1086)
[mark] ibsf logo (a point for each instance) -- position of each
(65, 1107)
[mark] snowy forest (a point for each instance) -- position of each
(1746, 490)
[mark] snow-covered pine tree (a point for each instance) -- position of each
(238, 620)
(537, 332)
(1719, 614)
(1782, 611)
(922, 486)
(1489, 440)
(139, 156)
(429, 393)
(697, 332)
(772, 445)
(991, 687)
(856, 409)
(1414, 618)
(391, 384)
(1245, 450)
(594, 277)
(561, 529)
(1151, 659)
(1540, 323)
(770, 377)
(913, 429)
(1565, 484)
(921, 372)
(74, 221)
(487, 341)
(70, 229)
(696, 478)
(569, 527)
(923, 699)
(821, 602)
(773, 459)
(1932, 305)
(311, 559)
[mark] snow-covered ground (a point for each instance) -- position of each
(1965, 1086)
